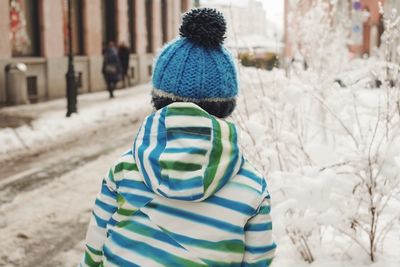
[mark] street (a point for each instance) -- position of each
(46, 194)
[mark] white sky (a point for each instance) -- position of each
(273, 8)
(275, 11)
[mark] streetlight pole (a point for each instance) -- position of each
(70, 76)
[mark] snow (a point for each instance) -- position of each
(45, 215)
(45, 226)
(303, 138)
(50, 124)
(329, 151)
(309, 159)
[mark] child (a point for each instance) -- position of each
(184, 195)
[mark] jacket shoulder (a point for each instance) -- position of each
(125, 168)
(252, 183)
(250, 177)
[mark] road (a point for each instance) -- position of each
(46, 196)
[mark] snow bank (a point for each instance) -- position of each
(330, 155)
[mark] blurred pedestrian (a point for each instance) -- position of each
(112, 70)
(184, 194)
(124, 54)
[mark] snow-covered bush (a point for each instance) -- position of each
(331, 155)
(319, 34)
(338, 178)
(390, 39)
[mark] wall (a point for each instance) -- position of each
(51, 67)
(5, 47)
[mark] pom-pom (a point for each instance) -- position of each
(204, 26)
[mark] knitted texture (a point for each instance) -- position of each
(183, 196)
(205, 26)
(191, 69)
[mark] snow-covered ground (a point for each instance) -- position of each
(330, 155)
(50, 125)
(301, 135)
(45, 202)
(46, 226)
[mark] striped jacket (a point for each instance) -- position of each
(183, 196)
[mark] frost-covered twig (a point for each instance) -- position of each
(333, 114)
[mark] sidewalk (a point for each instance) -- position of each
(30, 127)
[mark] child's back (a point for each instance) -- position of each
(183, 195)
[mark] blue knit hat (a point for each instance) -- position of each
(196, 67)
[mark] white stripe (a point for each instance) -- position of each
(256, 238)
(119, 217)
(126, 158)
(189, 142)
(181, 174)
(138, 142)
(184, 157)
(106, 199)
(105, 215)
(95, 235)
(187, 121)
(128, 175)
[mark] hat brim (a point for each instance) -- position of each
(221, 107)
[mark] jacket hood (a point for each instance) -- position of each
(184, 153)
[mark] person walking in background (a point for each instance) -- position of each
(184, 194)
(123, 54)
(112, 70)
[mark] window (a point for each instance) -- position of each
(149, 26)
(24, 27)
(164, 20)
(366, 35)
(77, 27)
(109, 21)
(381, 29)
(184, 6)
(32, 86)
(132, 24)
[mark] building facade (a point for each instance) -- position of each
(366, 23)
(35, 32)
(370, 26)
